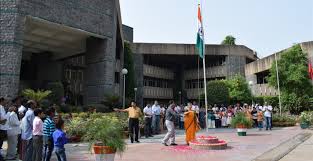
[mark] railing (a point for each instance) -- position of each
(157, 72)
(156, 92)
(263, 90)
(211, 72)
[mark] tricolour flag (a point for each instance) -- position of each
(200, 37)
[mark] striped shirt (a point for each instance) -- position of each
(48, 127)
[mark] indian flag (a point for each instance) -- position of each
(200, 44)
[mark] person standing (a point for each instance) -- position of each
(59, 139)
(268, 115)
(191, 124)
(134, 113)
(48, 129)
(156, 111)
(13, 132)
(148, 120)
(162, 120)
(260, 119)
(27, 131)
(3, 121)
(170, 117)
(37, 135)
(196, 108)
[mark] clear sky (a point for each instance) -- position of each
(266, 26)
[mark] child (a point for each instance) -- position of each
(260, 120)
(59, 139)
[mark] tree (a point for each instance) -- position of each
(294, 82)
(238, 89)
(129, 65)
(229, 40)
(217, 92)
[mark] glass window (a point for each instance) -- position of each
(117, 77)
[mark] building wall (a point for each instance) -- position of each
(99, 17)
(265, 64)
(236, 57)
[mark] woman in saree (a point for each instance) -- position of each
(191, 124)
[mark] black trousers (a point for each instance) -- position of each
(133, 128)
(148, 126)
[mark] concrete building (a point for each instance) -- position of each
(258, 70)
(170, 71)
(77, 42)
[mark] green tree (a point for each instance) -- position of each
(217, 92)
(229, 40)
(294, 82)
(238, 89)
(129, 65)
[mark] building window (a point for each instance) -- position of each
(117, 78)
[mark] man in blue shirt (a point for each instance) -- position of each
(48, 129)
(59, 139)
(27, 131)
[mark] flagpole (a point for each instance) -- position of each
(204, 74)
(278, 87)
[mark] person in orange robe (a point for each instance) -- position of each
(191, 124)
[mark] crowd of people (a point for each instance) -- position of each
(32, 134)
(221, 116)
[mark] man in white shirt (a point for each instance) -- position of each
(267, 109)
(156, 114)
(195, 107)
(3, 121)
(148, 120)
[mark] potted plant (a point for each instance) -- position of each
(306, 118)
(105, 135)
(242, 123)
(74, 129)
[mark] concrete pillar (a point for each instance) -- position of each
(235, 65)
(138, 67)
(11, 46)
(99, 74)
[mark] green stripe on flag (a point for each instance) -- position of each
(199, 45)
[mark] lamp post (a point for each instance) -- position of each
(251, 87)
(124, 72)
(179, 97)
(135, 89)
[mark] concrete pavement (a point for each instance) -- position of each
(240, 148)
(301, 153)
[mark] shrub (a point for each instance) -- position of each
(106, 131)
(284, 120)
(306, 117)
(217, 92)
(57, 92)
(240, 119)
(37, 96)
(76, 127)
(98, 107)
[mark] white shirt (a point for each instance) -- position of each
(21, 109)
(177, 109)
(147, 110)
(14, 124)
(3, 116)
(268, 111)
(163, 110)
(156, 110)
(195, 108)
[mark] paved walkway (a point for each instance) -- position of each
(301, 153)
(240, 148)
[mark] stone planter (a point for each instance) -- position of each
(304, 125)
(242, 131)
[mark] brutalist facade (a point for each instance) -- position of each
(57, 30)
